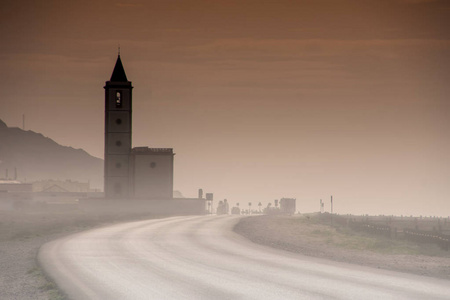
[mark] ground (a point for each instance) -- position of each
(309, 235)
(22, 234)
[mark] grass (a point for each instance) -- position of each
(314, 235)
(34, 271)
(376, 244)
(313, 228)
(52, 291)
(344, 237)
(47, 286)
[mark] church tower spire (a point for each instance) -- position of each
(118, 75)
(118, 113)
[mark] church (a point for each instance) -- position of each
(139, 177)
(139, 172)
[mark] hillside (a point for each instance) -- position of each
(37, 157)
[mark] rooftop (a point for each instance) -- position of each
(3, 181)
(143, 150)
(118, 74)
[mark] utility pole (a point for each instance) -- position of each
(331, 210)
(331, 204)
(23, 121)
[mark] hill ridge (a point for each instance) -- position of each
(37, 157)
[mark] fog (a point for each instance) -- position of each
(249, 101)
(300, 100)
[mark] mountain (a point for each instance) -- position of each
(36, 157)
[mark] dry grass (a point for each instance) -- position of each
(311, 235)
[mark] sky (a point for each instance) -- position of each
(259, 99)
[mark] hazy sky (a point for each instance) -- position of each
(259, 99)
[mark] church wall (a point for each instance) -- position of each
(153, 175)
(118, 165)
(118, 134)
(119, 143)
(117, 187)
(119, 121)
(139, 173)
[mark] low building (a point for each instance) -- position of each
(152, 170)
(14, 186)
(61, 186)
(287, 205)
(15, 194)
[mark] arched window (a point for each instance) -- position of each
(118, 99)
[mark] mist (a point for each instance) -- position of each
(307, 101)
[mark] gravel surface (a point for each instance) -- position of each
(21, 236)
(20, 277)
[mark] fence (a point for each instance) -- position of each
(383, 230)
(442, 240)
(434, 236)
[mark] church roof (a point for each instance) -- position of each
(118, 74)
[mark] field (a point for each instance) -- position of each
(317, 235)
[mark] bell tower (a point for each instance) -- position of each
(118, 112)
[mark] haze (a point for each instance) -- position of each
(259, 99)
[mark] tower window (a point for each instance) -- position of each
(118, 99)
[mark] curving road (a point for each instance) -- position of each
(201, 258)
